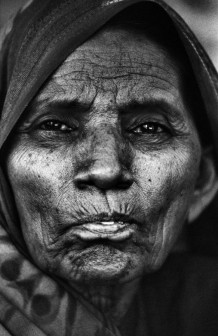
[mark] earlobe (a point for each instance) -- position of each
(206, 186)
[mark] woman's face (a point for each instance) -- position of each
(104, 162)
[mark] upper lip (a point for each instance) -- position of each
(105, 217)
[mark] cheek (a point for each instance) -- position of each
(167, 183)
(33, 175)
(164, 177)
(38, 181)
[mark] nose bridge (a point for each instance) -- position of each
(106, 159)
(106, 148)
(105, 167)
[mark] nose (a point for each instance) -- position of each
(107, 166)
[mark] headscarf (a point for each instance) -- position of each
(34, 43)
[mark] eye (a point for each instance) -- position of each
(152, 128)
(55, 125)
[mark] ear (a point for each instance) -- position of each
(206, 185)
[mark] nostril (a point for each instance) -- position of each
(82, 180)
(104, 179)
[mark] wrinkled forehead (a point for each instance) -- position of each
(129, 59)
(120, 60)
(131, 40)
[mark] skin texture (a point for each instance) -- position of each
(124, 143)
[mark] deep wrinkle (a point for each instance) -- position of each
(105, 166)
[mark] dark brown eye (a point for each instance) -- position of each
(150, 128)
(54, 125)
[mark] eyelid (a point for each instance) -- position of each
(165, 129)
(35, 123)
(149, 118)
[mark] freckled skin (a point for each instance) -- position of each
(100, 167)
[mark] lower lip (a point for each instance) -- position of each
(115, 232)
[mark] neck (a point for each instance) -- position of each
(113, 301)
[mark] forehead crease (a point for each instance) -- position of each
(126, 71)
(119, 58)
(124, 66)
(125, 87)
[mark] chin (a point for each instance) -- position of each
(111, 268)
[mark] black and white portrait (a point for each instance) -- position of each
(108, 168)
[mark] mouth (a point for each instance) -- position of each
(116, 228)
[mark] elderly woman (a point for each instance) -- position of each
(108, 130)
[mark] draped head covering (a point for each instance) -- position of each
(32, 46)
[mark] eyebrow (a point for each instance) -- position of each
(124, 109)
(65, 105)
(159, 104)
